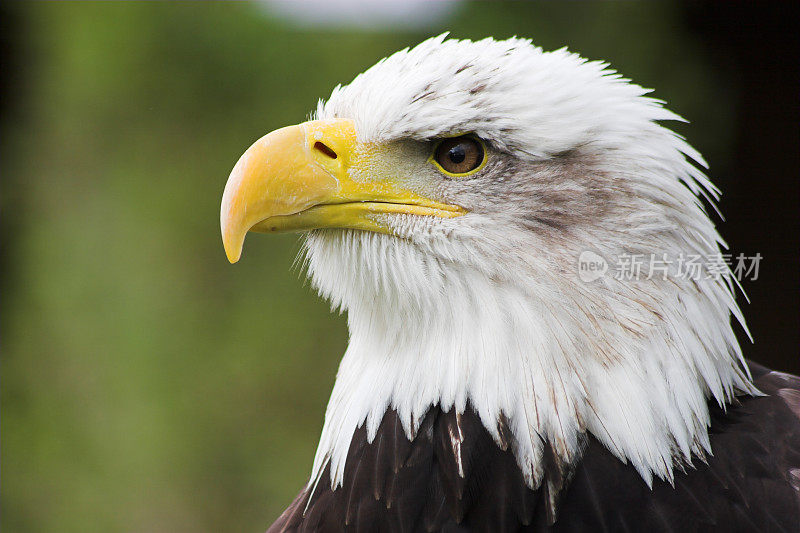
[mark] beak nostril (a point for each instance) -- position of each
(325, 149)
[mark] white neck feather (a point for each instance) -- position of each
(632, 364)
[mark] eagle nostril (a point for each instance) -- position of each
(322, 147)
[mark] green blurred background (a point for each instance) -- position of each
(148, 385)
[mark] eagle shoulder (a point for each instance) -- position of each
(453, 476)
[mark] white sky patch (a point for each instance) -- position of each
(366, 14)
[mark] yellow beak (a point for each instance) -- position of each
(298, 178)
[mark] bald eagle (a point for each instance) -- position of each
(446, 195)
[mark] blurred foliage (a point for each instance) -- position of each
(147, 384)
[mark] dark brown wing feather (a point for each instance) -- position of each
(751, 483)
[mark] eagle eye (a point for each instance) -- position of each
(459, 156)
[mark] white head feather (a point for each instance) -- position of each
(487, 309)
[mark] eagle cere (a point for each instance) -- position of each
(446, 194)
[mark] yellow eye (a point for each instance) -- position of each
(459, 155)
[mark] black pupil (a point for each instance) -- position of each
(457, 154)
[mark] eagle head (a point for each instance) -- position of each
(447, 194)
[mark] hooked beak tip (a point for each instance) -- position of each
(233, 257)
(233, 242)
